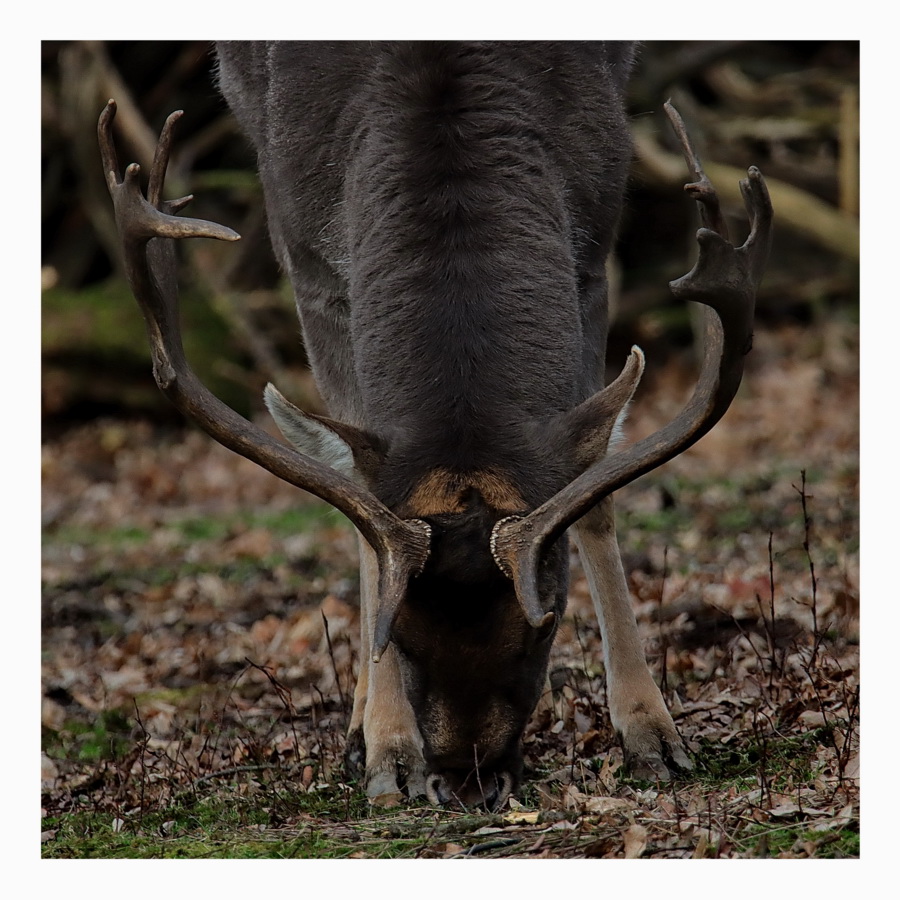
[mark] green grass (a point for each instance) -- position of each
(104, 319)
(107, 737)
(282, 523)
(100, 329)
(767, 841)
(274, 822)
(90, 536)
(777, 760)
(217, 830)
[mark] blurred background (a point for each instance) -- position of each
(790, 108)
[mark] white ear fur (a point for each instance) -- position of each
(617, 436)
(634, 369)
(594, 428)
(309, 435)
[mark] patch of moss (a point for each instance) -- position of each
(98, 332)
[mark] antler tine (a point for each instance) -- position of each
(701, 187)
(725, 280)
(394, 573)
(161, 159)
(151, 270)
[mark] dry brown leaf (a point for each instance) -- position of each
(602, 847)
(635, 838)
(786, 810)
(388, 800)
(49, 770)
(702, 846)
(812, 718)
(605, 805)
(257, 543)
(53, 715)
(522, 816)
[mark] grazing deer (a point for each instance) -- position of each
(444, 212)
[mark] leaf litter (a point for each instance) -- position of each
(201, 629)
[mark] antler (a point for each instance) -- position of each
(401, 545)
(724, 279)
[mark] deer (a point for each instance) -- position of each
(444, 212)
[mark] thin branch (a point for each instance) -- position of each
(334, 670)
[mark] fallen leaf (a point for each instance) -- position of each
(253, 544)
(702, 846)
(522, 816)
(635, 841)
(812, 718)
(388, 800)
(845, 816)
(49, 771)
(606, 846)
(53, 715)
(784, 810)
(606, 805)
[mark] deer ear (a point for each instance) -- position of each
(594, 426)
(350, 450)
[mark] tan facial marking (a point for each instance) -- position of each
(443, 491)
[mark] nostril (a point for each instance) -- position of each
(437, 791)
(504, 784)
(495, 791)
(489, 795)
(489, 792)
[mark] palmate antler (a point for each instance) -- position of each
(725, 279)
(401, 545)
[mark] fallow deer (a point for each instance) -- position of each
(444, 212)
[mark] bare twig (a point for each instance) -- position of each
(487, 846)
(145, 740)
(663, 636)
(334, 670)
(284, 695)
(818, 636)
(234, 770)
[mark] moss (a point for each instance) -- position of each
(97, 336)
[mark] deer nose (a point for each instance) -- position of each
(489, 790)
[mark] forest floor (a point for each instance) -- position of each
(200, 647)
